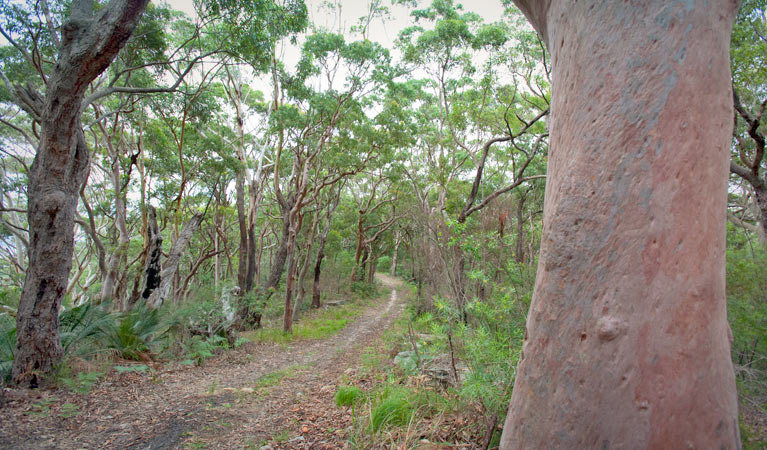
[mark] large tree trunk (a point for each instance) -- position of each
(627, 343)
(89, 43)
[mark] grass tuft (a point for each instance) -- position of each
(394, 408)
(348, 395)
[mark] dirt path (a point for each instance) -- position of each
(245, 398)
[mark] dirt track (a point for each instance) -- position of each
(228, 403)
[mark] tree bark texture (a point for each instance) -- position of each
(170, 266)
(627, 343)
(153, 265)
(89, 43)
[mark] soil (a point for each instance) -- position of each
(259, 395)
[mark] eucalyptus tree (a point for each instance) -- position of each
(749, 53)
(490, 118)
(374, 194)
(85, 45)
(324, 136)
(627, 342)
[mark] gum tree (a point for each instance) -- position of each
(88, 42)
(627, 343)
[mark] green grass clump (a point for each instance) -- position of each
(348, 395)
(395, 408)
(323, 324)
(271, 378)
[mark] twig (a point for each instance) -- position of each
(413, 343)
(452, 359)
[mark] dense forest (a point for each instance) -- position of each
(175, 188)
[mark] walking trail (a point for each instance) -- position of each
(255, 395)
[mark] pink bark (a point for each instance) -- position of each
(627, 343)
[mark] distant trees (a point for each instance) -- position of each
(749, 45)
(83, 45)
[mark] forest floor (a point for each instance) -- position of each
(256, 395)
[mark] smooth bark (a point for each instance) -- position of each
(627, 343)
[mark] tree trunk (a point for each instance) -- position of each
(627, 343)
(168, 275)
(89, 43)
(397, 241)
(317, 271)
(358, 271)
(112, 288)
(153, 265)
(287, 322)
(242, 221)
(275, 274)
(760, 197)
(519, 253)
(320, 256)
(301, 289)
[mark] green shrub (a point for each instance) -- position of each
(129, 335)
(81, 327)
(394, 408)
(384, 264)
(82, 382)
(7, 346)
(364, 290)
(200, 348)
(348, 395)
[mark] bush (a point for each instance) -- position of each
(129, 335)
(7, 346)
(394, 408)
(364, 289)
(200, 348)
(81, 327)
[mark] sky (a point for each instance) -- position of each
(382, 31)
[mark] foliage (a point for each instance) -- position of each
(747, 314)
(81, 329)
(348, 395)
(131, 333)
(82, 381)
(7, 346)
(394, 407)
(200, 348)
